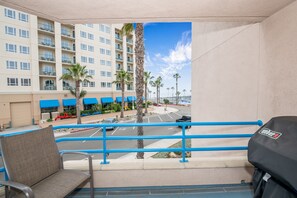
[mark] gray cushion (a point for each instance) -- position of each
(59, 184)
(31, 157)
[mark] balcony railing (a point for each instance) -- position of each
(50, 87)
(66, 33)
(119, 58)
(118, 37)
(46, 27)
(47, 58)
(68, 61)
(183, 137)
(129, 41)
(118, 48)
(130, 60)
(48, 73)
(67, 87)
(46, 43)
(130, 88)
(68, 47)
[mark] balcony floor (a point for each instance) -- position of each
(210, 191)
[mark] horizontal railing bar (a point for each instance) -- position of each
(209, 136)
(257, 123)
(71, 139)
(229, 148)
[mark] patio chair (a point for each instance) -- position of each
(35, 168)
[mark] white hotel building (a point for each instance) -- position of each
(34, 53)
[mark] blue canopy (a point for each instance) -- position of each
(49, 103)
(106, 100)
(69, 102)
(131, 98)
(119, 99)
(88, 101)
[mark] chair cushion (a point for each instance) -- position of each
(30, 157)
(59, 184)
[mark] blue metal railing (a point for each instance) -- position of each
(183, 137)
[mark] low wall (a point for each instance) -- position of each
(167, 172)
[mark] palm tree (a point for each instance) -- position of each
(147, 79)
(172, 88)
(168, 91)
(139, 57)
(176, 76)
(78, 74)
(157, 83)
(122, 78)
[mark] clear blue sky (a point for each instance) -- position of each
(168, 51)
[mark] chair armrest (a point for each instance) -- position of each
(25, 189)
(79, 153)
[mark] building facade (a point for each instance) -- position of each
(35, 52)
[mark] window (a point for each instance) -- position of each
(11, 47)
(91, 60)
(25, 66)
(92, 84)
(103, 84)
(12, 81)
(102, 51)
(24, 33)
(108, 84)
(103, 73)
(108, 74)
(102, 40)
(84, 59)
(23, 17)
(84, 84)
(107, 41)
(9, 13)
(83, 46)
(10, 30)
(91, 48)
(90, 25)
(107, 29)
(101, 28)
(102, 62)
(24, 50)
(108, 52)
(83, 34)
(91, 72)
(91, 36)
(11, 65)
(25, 81)
(108, 63)
(47, 69)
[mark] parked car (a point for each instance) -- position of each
(109, 121)
(157, 104)
(185, 118)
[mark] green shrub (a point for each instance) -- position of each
(96, 108)
(49, 120)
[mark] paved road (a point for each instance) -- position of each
(122, 131)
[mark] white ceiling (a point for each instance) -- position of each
(120, 11)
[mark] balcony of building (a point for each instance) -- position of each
(67, 85)
(68, 46)
(119, 58)
(67, 32)
(47, 70)
(129, 59)
(46, 26)
(129, 50)
(130, 69)
(118, 47)
(67, 59)
(47, 83)
(46, 42)
(47, 57)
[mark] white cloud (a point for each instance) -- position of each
(177, 58)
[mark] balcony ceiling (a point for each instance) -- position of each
(120, 11)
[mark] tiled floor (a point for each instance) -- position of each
(218, 191)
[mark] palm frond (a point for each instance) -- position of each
(127, 29)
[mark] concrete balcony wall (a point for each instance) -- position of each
(167, 172)
(243, 71)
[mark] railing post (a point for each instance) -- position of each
(104, 147)
(183, 160)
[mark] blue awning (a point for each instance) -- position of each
(131, 98)
(88, 101)
(69, 102)
(49, 103)
(106, 100)
(119, 99)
